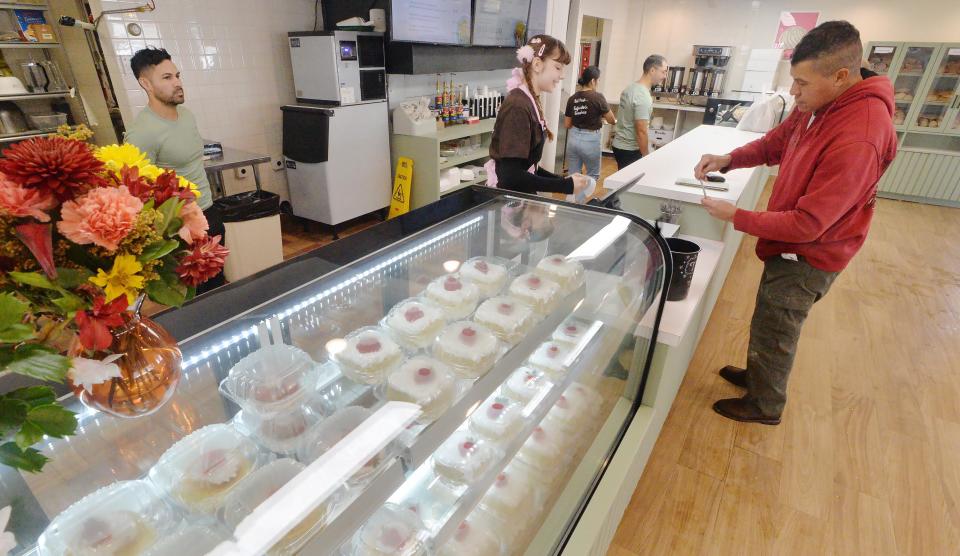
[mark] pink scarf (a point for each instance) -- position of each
(515, 82)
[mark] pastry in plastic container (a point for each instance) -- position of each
(464, 457)
(271, 380)
(415, 323)
(525, 383)
(511, 497)
(426, 382)
(472, 538)
(191, 539)
(370, 353)
(550, 358)
(469, 348)
(202, 468)
(456, 297)
(488, 273)
(391, 531)
(497, 419)
(538, 292)
(127, 517)
(571, 331)
(261, 485)
(310, 332)
(576, 408)
(506, 317)
(335, 428)
(282, 433)
(584, 399)
(567, 274)
(545, 447)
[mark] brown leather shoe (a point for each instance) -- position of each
(745, 411)
(734, 375)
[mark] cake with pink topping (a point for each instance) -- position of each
(497, 419)
(509, 319)
(391, 531)
(468, 347)
(525, 383)
(550, 358)
(510, 498)
(463, 458)
(485, 273)
(575, 408)
(415, 323)
(538, 292)
(369, 355)
(568, 274)
(426, 382)
(457, 298)
(472, 538)
(544, 448)
(571, 331)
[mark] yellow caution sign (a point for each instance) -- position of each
(400, 201)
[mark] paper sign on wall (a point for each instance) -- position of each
(883, 50)
(791, 27)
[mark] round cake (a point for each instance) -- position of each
(120, 532)
(568, 274)
(506, 317)
(584, 399)
(486, 274)
(525, 383)
(571, 331)
(497, 419)
(426, 382)
(463, 458)
(469, 348)
(550, 358)
(281, 434)
(472, 538)
(539, 293)
(544, 449)
(576, 410)
(369, 355)
(457, 298)
(414, 323)
(210, 476)
(392, 531)
(510, 498)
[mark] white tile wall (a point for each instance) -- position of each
(233, 59)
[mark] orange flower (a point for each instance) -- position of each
(104, 216)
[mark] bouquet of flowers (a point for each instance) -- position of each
(84, 232)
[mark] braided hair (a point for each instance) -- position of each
(546, 48)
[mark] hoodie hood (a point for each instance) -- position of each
(878, 87)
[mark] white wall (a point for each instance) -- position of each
(234, 62)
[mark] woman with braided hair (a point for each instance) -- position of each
(521, 132)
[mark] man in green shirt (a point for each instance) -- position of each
(631, 140)
(167, 132)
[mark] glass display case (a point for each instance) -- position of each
(937, 106)
(437, 384)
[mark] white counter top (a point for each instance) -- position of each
(681, 107)
(677, 158)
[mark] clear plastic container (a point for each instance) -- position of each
(511, 497)
(568, 274)
(464, 457)
(488, 273)
(507, 317)
(332, 430)
(192, 539)
(391, 531)
(262, 484)
(456, 297)
(202, 468)
(498, 419)
(311, 332)
(525, 383)
(281, 434)
(551, 358)
(538, 292)
(583, 399)
(469, 348)
(414, 323)
(426, 382)
(575, 409)
(546, 447)
(571, 331)
(271, 380)
(370, 354)
(472, 538)
(127, 517)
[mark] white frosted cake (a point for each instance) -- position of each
(538, 292)
(550, 358)
(472, 538)
(121, 532)
(575, 409)
(509, 319)
(571, 331)
(457, 298)
(568, 274)
(208, 478)
(414, 323)
(469, 348)
(497, 419)
(369, 355)
(463, 457)
(584, 399)
(486, 274)
(391, 531)
(524, 383)
(544, 449)
(511, 497)
(425, 382)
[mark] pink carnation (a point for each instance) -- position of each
(194, 223)
(19, 201)
(103, 216)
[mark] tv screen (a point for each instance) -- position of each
(500, 22)
(430, 21)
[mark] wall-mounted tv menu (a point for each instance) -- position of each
(430, 21)
(500, 22)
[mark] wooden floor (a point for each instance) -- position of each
(867, 457)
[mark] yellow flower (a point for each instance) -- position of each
(123, 278)
(150, 171)
(118, 156)
(187, 184)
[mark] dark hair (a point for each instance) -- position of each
(653, 61)
(589, 74)
(832, 45)
(544, 47)
(147, 58)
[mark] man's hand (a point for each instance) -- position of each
(718, 209)
(711, 163)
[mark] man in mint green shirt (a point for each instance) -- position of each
(631, 140)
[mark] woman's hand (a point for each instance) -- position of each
(580, 183)
(711, 163)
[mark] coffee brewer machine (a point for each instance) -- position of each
(707, 77)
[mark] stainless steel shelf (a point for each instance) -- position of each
(22, 6)
(26, 135)
(36, 96)
(20, 44)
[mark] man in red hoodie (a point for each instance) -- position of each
(832, 151)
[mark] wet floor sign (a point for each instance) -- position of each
(400, 200)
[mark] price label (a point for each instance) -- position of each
(883, 50)
(953, 52)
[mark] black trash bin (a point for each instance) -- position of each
(684, 254)
(249, 205)
(251, 222)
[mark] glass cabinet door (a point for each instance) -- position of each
(908, 81)
(882, 57)
(937, 98)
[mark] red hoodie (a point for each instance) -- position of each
(825, 193)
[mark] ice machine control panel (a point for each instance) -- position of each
(348, 50)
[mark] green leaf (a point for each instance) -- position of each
(28, 435)
(13, 413)
(166, 291)
(68, 303)
(169, 210)
(69, 278)
(159, 249)
(35, 361)
(12, 309)
(16, 333)
(33, 395)
(173, 227)
(84, 258)
(29, 460)
(34, 279)
(51, 420)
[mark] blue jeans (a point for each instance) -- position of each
(583, 149)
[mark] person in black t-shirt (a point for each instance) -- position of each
(586, 111)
